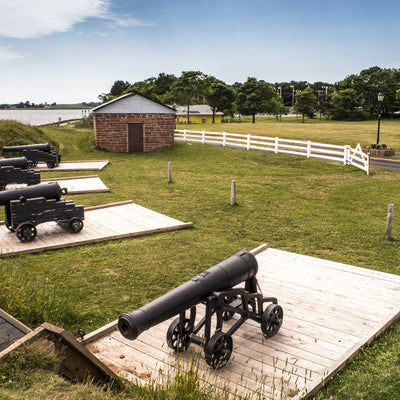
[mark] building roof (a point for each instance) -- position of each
(197, 109)
(133, 103)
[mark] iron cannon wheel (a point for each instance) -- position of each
(2, 186)
(218, 349)
(51, 164)
(176, 342)
(271, 320)
(26, 232)
(75, 225)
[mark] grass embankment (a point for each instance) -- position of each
(308, 206)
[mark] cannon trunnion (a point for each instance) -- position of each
(40, 152)
(28, 207)
(215, 288)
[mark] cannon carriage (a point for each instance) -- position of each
(216, 289)
(28, 207)
(40, 152)
(16, 170)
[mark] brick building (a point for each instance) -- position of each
(133, 123)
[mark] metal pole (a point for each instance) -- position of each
(379, 124)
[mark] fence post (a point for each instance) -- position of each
(233, 193)
(169, 171)
(203, 139)
(223, 139)
(389, 220)
(276, 144)
(346, 154)
(308, 148)
(184, 135)
(248, 141)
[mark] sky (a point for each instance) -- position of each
(69, 51)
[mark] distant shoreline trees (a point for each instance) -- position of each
(353, 98)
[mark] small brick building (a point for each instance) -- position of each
(133, 123)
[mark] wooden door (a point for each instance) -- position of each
(135, 137)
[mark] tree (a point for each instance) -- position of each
(189, 86)
(305, 102)
(220, 97)
(117, 89)
(346, 104)
(255, 97)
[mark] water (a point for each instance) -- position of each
(42, 116)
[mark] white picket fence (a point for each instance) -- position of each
(344, 154)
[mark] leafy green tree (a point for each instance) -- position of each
(191, 85)
(220, 97)
(346, 104)
(305, 102)
(255, 97)
(117, 89)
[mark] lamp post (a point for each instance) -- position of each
(380, 100)
(292, 97)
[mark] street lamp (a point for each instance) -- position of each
(380, 100)
(292, 96)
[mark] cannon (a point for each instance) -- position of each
(18, 162)
(15, 170)
(40, 152)
(27, 207)
(216, 288)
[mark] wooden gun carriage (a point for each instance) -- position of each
(40, 152)
(15, 170)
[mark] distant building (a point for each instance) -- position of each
(133, 123)
(198, 114)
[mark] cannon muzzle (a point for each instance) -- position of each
(50, 190)
(19, 162)
(37, 146)
(228, 273)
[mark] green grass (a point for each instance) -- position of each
(308, 206)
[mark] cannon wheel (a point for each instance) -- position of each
(31, 164)
(26, 232)
(271, 320)
(51, 164)
(218, 349)
(176, 342)
(2, 186)
(75, 225)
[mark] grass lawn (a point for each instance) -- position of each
(308, 206)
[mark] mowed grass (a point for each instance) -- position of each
(308, 206)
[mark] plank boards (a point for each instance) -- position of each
(330, 311)
(107, 222)
(74, 185)
(94, 165)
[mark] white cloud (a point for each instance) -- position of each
(25, 19)
(6, 54)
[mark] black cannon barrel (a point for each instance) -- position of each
(37, 146)
(18, 162)
(50, 190)
(228, 273)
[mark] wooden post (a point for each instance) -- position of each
(169, 171)
(389, 219)
(233, 193)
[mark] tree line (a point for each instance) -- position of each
(353, 98)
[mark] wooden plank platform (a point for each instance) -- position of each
(10, 330)
(330, 309)
(94, 165)
(106, 222)
(74, 185)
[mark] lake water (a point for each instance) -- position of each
(42, 116)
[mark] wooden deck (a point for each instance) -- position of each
(10, 330)
(106, 222)
(95, 165)
(74, 185)
(330, 311)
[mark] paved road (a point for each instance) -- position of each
(393, 165)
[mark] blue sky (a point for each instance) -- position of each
(69, 51)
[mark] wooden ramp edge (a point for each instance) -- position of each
(331, 310)
(77, 362)
(11, 330)
(106, 222)
(89, 165)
